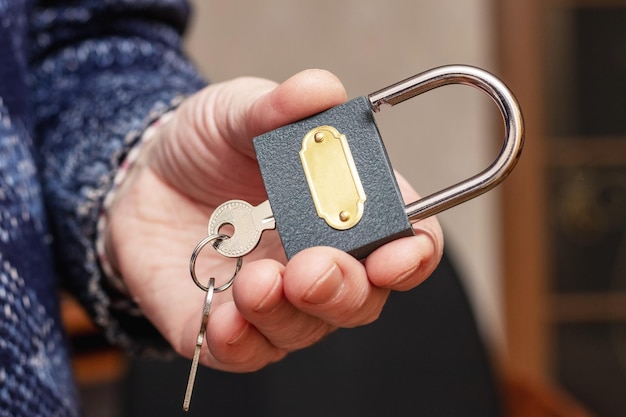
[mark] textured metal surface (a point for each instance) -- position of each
(298, 224)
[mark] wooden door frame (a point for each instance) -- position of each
(526, 269)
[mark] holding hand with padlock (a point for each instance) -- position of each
(121, 191)
(203, 156)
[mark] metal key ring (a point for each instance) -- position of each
(194, 256)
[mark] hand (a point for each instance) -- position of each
(204, 156)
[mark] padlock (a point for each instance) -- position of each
(330, 182)
(298, 174)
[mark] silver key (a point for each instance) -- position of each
(248, 222)
(199, 342)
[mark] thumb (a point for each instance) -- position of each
(213, 129)
(304, 94)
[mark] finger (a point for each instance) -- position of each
(304, 94)
(333, 286)
(405, 263)
(235, 345)
(230, 343)
(258, 293)
(213, 130)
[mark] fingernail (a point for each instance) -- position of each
(268, 302)
(410, 265)
(326, 288)
(239, 335)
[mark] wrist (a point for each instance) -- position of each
(104, 246)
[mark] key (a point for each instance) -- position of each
(199, 342)
(329, 180)
(248, 222)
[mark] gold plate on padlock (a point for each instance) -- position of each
(332, 176)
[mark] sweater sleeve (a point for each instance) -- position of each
(100, 72)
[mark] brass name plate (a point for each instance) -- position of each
(332, 176)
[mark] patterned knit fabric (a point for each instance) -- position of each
(79, 82)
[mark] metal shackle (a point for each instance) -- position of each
(513, 141)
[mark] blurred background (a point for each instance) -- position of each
(436, 140)
(543, 257)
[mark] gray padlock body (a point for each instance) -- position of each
(299, 226)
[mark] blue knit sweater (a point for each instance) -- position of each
(78, 84)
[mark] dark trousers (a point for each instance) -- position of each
(423, 357)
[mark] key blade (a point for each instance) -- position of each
(206, 309)
(263, 217)
(192, 377)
